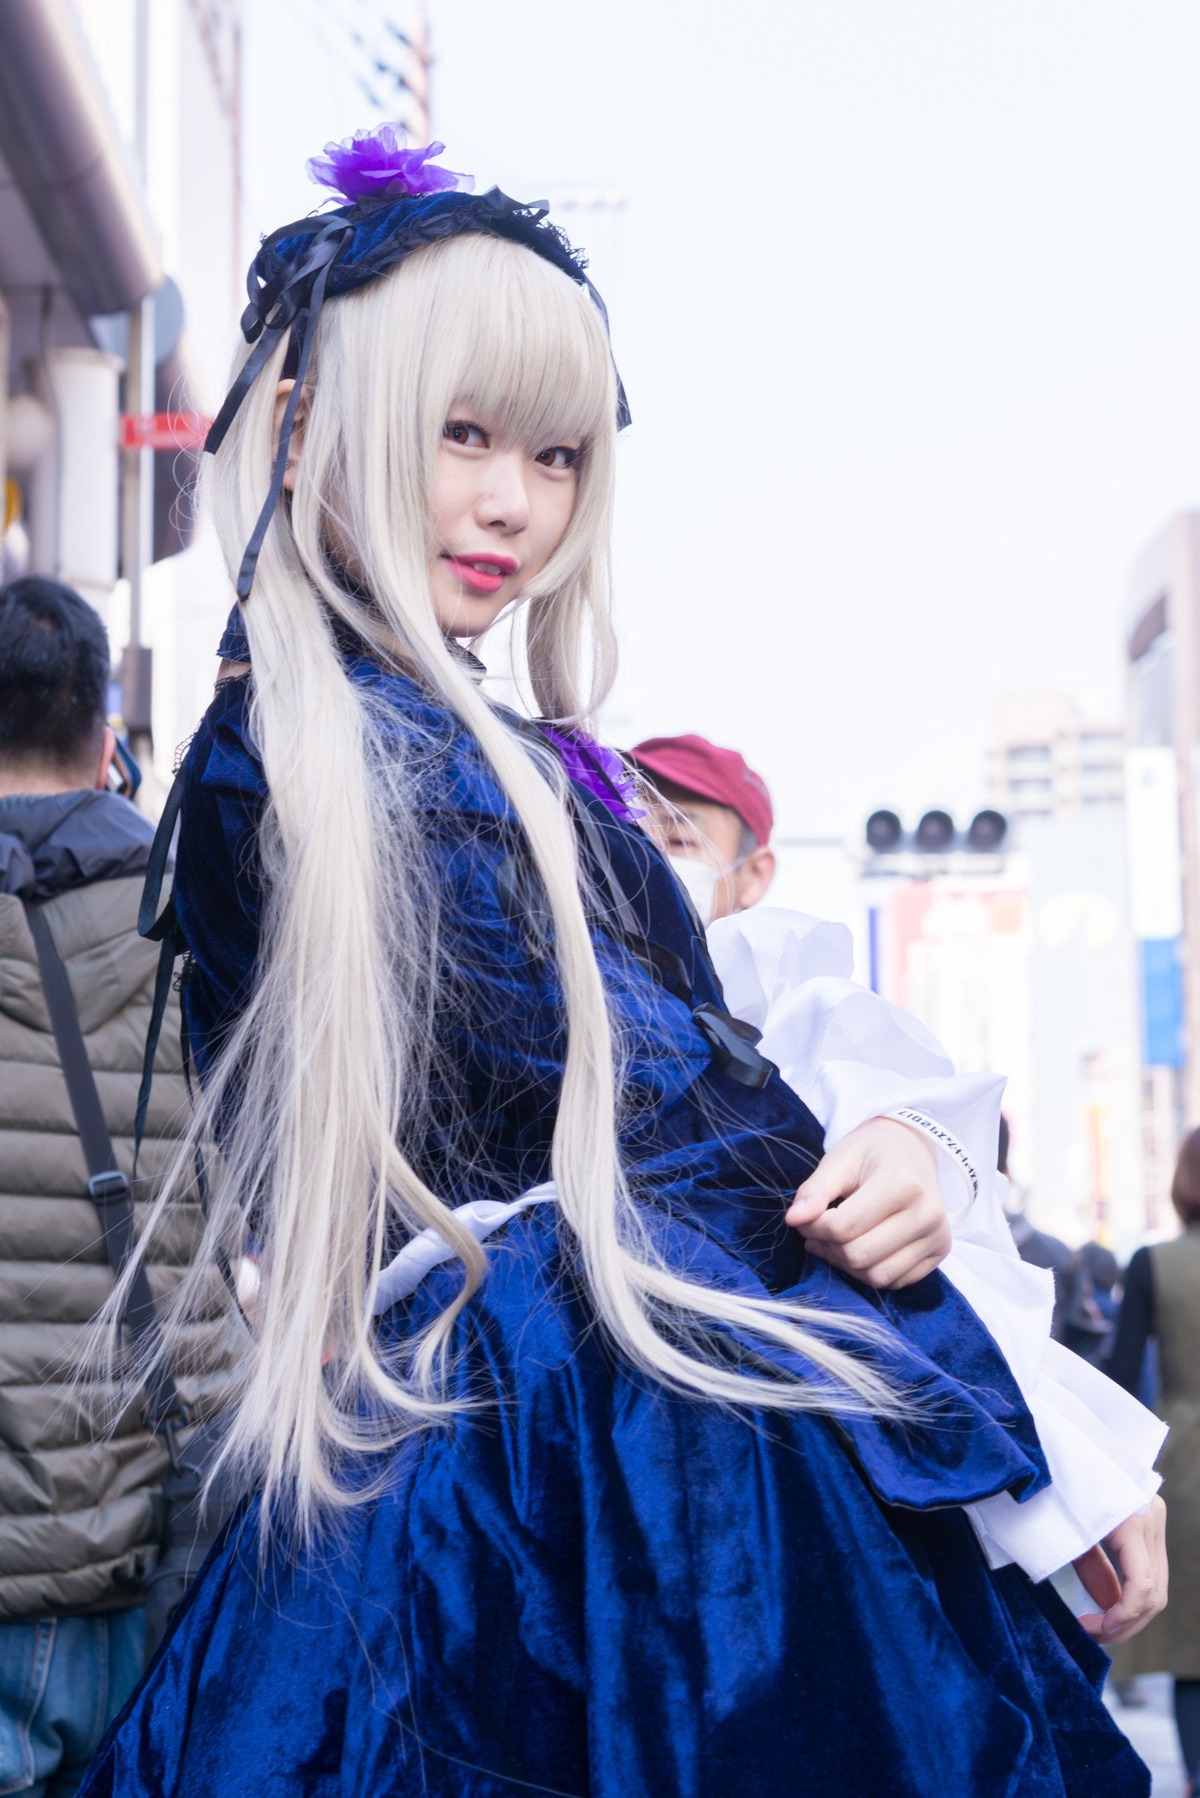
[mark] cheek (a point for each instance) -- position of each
(555, 510)
(450, 496)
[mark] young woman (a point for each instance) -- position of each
(650, 1496)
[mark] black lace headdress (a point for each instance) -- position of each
(397, 202)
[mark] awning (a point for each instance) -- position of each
(62, 147)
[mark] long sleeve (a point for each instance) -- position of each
(852, 1056)
(1135, 1324)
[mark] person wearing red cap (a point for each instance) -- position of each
(712, 814)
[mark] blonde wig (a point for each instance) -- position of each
(327, 1069)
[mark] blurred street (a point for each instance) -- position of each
(1152, 1733)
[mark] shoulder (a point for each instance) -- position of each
(224, 793)
(223, 753)
(1139, 1264)
(449, 774)
(1139, 1275)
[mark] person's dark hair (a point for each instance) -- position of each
(1002, 1146)
(54, 671)
(1185, 1187)
(1100, 1266)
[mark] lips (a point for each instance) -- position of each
(482, 574)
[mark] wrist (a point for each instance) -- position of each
(942, 1140)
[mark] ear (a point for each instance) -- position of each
(297, 441)
(108, 750)
(754, 877)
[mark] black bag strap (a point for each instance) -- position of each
(163, 927)
(108, 1188)
(150, 923)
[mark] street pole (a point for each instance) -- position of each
(137, 474)
(137, 478)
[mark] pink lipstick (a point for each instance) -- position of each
(482, 574)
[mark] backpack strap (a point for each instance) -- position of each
(108, 1188)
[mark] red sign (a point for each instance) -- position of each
(163, 430)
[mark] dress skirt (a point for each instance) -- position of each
(590, 1586)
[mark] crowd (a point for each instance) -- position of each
(596, 1318)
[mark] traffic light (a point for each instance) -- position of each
(935, 836)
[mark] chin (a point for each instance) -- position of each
(465, 615)
(466, 620)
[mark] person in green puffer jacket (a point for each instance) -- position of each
(80, 1501)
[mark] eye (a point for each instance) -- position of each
(561, 456)
(464, 433)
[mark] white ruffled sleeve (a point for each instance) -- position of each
(851, 1055)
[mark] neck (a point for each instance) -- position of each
(39, 783)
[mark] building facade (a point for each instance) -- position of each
(1051, 757)
(1162, 654)
(119, 296)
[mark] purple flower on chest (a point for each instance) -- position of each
(598, 769)
(378, 165)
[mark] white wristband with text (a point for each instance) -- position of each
(943, 1138)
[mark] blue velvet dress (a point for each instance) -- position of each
(590, 1586)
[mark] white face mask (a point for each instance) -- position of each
(699, 882)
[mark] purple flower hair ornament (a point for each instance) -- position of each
(377, 165)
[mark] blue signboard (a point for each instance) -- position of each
(1162, 1002)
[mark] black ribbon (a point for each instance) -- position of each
(294, 309)
(275, 306)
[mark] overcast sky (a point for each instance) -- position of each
(906, 298)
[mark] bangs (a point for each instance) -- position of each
(514, 337)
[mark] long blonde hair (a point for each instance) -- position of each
(327, 1068)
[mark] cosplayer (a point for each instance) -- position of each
(573, 1467)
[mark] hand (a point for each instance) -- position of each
(873, 1207)
(1128, 1603)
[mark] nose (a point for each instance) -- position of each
(503, 502)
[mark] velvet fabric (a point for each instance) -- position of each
(587, 1585)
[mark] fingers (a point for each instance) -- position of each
(880, 1197)
(887, 1234)
(1139, 1545)
(1098, 1577)
(886, 1276)
(836, 1174)
(873, 1207)
(911, 1264)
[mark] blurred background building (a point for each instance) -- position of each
(1022, 959)
(1163, 671)
(1050, 757)
(119, 272)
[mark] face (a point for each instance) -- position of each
(694, 830)
(700, 831)
(500, 510)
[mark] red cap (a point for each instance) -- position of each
(718, 775)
